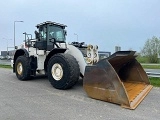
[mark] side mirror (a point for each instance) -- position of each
(36, 34)
(65, 32)
(15, 47)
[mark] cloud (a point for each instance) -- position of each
(106, 22)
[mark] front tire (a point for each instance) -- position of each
(63, 71)
(22, 68)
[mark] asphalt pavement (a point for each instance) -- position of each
(36, 99)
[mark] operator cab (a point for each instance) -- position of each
(49, 34)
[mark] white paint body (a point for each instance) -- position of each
(79, 57)
(72, 50)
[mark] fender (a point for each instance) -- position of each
(51, 53)
(18, 53)
(75, 52)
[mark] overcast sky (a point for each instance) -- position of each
(107, 23)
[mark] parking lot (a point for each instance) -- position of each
(37, 99)
(5, 62)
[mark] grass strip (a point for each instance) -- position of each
(5, 66)
(155, 81)
(151, 66)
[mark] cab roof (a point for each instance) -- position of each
(51, 23)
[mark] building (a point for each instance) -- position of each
(103, 54)
(8, 55)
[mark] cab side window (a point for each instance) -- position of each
(42, 32)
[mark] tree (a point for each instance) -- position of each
(151, 49)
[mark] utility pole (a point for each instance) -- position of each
(15, 31)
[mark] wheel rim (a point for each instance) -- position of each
(19, 68)
(57, 71)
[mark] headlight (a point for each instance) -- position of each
(89, 55)
(95, 60)
(96, 47)
(89, 47)
(95, 55)
(89, 60)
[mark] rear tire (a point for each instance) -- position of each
(22, 68)
(63, 71)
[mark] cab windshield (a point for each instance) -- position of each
(57, 33)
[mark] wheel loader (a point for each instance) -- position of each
(118, 79)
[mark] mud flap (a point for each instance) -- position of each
(119, 79)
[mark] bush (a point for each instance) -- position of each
(151, 49)
(141, 59)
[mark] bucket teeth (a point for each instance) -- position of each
(119, 79)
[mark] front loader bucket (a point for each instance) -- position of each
(118, 79)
